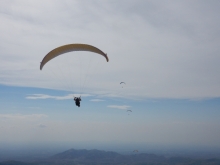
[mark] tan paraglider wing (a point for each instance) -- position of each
(69, 48)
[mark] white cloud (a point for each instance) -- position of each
(35, 108)
(44, 96)
(123, 107)
(96, 100)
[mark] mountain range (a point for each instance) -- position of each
(99, 157)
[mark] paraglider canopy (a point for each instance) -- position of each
(122, 84)
(69, 48)
(73, 73)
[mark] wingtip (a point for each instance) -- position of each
(107, 59)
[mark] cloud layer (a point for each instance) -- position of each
(161, 50)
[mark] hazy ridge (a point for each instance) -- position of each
(90, 157)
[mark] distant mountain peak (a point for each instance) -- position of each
(85, 154)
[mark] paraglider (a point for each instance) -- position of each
(122, 84)
(77, 101)
(129, 111)
(71, 48)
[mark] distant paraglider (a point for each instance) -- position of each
(129, 111)
(122, 84)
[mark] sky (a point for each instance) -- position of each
(166, 52)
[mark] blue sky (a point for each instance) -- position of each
(166, 52)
